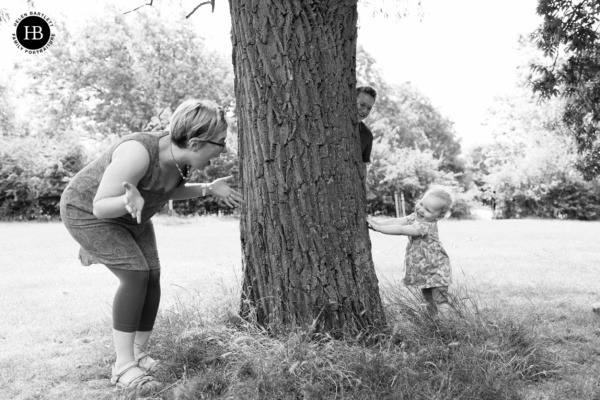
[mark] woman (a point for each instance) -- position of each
(107, 208)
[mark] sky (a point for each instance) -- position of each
(459, 53)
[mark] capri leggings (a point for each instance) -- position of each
(129, 251)
(136, 302)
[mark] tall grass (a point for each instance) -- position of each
(476, 354)
(529, 333)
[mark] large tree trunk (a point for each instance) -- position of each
(305, 244)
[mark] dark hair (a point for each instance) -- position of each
(368, 90)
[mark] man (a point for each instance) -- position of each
(366, 97)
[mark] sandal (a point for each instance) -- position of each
(146, 362)
(140, 380)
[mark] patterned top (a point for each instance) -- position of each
(80, 192)
(121, 242)
(426, 263)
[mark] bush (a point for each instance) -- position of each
(226, 165)
(410, 172)
(573, 200)
(565, 199)
(462, 205)
(33, 175)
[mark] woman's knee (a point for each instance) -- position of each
(154, 277)
(132, 278)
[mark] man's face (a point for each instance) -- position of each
(365, 104)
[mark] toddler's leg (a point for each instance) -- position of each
(428, 295)
(441, 300)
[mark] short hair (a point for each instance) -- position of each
(368, 90)
(442, 193)
(196, 119)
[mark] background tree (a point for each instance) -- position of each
(403, 170)
(7, 117)
(531, 162)
(569, 39)
(414, 144)
(127, 69)
(405, 117)
(305, 244)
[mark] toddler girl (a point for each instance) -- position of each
(427, 265)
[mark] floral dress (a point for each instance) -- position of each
(426, 264)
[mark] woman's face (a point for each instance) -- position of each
(207, 150)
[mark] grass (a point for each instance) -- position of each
(526, 287)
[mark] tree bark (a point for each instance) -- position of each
(305, 245)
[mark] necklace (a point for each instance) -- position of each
(184, 177)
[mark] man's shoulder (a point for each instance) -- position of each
(364, 129)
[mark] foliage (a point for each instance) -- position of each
(531, 164)
(406, 118)
(402, 170)
(463, 203)
(113, 75)
(127, 70)
(417, 124)
(5, 15)
(6, 111)
(566, 199)
(130, 68)
(226, 165)
(33, 175)
(414, 145)
(569, 39)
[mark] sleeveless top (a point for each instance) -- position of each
(78, 197)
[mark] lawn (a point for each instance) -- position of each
(54, 329)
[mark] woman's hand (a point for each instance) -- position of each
(230, 196)
(134, 202)
(371, 224)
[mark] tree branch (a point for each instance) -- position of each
(143, 5)
(4, 15)
(211, 2)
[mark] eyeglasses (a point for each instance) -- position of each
(218, 144)
(223, 144)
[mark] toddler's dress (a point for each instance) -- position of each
(426, 264)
